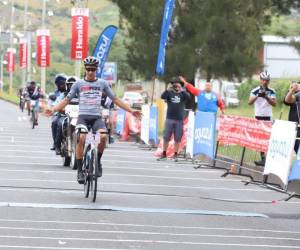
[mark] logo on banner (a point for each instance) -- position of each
(10, 56)
(103, 46)
(43, 48)
(79, 42)
(23, 54)
(204, 135)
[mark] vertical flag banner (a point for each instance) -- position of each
(145, 123)
(166, 24)
(23, 53)
(120, 121)
(79, 42)
(190, 134)
(10, 58)
(43, 47)
(103, 46)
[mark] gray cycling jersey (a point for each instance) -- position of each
(90, 94)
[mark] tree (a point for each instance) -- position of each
(222, 38)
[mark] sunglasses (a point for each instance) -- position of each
(91, 69)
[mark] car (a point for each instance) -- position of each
(133, 99)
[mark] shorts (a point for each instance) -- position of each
(173, 126)
(91, 122)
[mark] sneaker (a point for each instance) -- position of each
(260, 163)
(175, 158)
(80, 177)
(57, 151)
(53, 147)
(162, 158)
(99, 170)
(36, 123)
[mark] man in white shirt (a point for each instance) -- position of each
(264, 99)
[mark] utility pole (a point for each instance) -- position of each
(27, 44)
(11, 44)
(43, 69)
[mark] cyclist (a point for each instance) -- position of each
(89, 91)
(56, 97)
(263, 98)
(32, 92)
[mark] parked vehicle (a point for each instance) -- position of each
(133, 99)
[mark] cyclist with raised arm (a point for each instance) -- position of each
(89, 91)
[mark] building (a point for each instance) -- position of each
(280, 57)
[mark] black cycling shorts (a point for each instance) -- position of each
(91, 122)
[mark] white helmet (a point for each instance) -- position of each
(265, 76)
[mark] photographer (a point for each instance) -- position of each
(292, 99)
(176, 99)
(263, 98)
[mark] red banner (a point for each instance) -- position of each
(23, 53)
(10, 58)
(79, 43)
(43, 48)
(246, 132)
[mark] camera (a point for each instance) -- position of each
(262, 92)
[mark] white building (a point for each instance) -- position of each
(280, 58)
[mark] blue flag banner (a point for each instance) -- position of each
(295, 173)
(103, 46)
(153, 127)
(166, 24)
(205, 134)
(120, 121)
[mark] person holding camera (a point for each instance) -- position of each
(264, 99)
(176, 99)
(292, 99)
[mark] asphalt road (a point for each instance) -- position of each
(141, 204)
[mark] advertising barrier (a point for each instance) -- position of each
(120, 121)
(281, 146)
(190, 134)
(153, 125)
(205, 134)
(145, 124)
(244, 131)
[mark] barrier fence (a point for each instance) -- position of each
(232, 143)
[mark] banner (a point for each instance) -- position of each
(153, 125)
(205, 134)
(10, 58)
(120, 121)
(166, 23)
(103, 46)
(295, 173)
(109, 73)
(281, 146)
(145, 124)
(190, 134)
(43, 47)
(243, 131)
(79, 42)
(23, 53)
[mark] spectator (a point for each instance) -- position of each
(263, 98)
(207, 100)
(176, 99)
(292, 99)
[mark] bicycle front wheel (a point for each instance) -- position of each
(33, 118)
(94, 170)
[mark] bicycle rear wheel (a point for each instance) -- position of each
(33, 118)
(87, 175)
(94, 174)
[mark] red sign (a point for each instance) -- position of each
(43, 48)
(79, 43)
(246, 132)
(10, 58)
(23, 53)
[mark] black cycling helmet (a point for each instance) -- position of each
(70, 81)
(60, 79)
(91, 61)
(31, 83)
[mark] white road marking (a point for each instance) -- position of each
(143, 185)
(152, 241)
(12, 140)
(57, 248)
(149, 226)
(150, 233)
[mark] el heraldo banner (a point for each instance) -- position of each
(23, 53)
(43, 47)
(79, 43)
